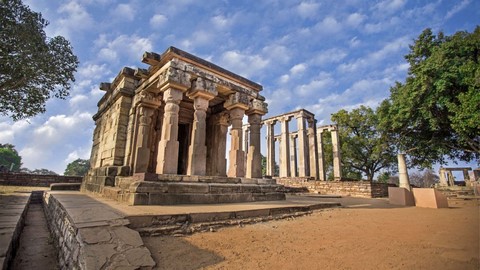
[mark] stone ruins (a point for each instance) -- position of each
(161, 135)
(301, 152)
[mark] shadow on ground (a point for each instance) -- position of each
(176, 253)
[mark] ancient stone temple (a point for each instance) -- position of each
(161, 135)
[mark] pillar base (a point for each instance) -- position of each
(400, 196)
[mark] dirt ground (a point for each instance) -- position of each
(366, 234)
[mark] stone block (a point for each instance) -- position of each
(137, 198)
(65, 186)
(429, 198)
(188, 188)
(400, 196)
(148, 187)
(209, 217)
(225, 188)
(252, 213)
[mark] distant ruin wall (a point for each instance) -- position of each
(36, 180)
(364, 189)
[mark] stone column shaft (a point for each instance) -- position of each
(337, 166)
(443, 180)
(167, 160)
(236, 166)
(303, 159)
(270, 170)
(197, 152)
(254, 158)
(285, 148)
(404, 181)
(293, 156)
(312, 148)
(142, 146)
(322, 174)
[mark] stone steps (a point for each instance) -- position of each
(184, 224)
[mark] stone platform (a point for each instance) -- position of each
(161, 189)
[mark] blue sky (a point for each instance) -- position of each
(319, 55)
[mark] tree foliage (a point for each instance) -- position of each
(33, 68)
(364, 147)
(9, 156)
(424, 179)
(436, 111)
(78, 167)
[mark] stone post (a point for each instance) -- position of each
(246, 136)
(285, 147)
(202, 91)
(443, 180)
(312, 148)
(236, 154)
(322, 175)
(404, 182)
(173, 83)
(254, 158)
(270, 147)
(217, 145)
(337, 165)
(303, 160)
(142, 153)
(293, 155)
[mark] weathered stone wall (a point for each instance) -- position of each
(365, 189)
(35, 180)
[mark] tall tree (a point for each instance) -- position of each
(364, 147)
(78, 167)
(9, 156)
(33, 68)
(436, 111)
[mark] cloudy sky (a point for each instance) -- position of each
(319, 55)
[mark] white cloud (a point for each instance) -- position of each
(329, 25)
(457, 8)
(389, 6)
(77, 19)
(222, 22)
(124, 12)
(277, 53)
(93, 71)
(314, 87)
(158, 20)
(77, 100)
(307, 9)
(333, 55)
(8, 130)
(284, 78)
(243, 64)
(298, 69)
(132, 46)
(198, 38)
(355, 19)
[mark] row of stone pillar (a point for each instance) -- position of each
(201, 92)
(307, 140)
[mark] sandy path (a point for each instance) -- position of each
(369, 235)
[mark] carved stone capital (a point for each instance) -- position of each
(204, 88)
(237, 100)
(148, 99)
(257, 106)
(173, 78)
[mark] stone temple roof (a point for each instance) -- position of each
(155, 59)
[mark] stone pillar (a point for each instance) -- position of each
(246, 135)
(217, 145)
(303, 159)
(270, 147)
(293, 155)
(404, 182)
(285, 147)
(322, 175)
(443, 180)
(236, 162)
(337, 165)
(312, 148)
(254, 158)
(197, 151)
(142, 151)
(167, 160)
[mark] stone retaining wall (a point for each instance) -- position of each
(88, 235)
(35, 180)
(364, 189)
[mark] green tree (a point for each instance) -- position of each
(33, 67)
(9, 156)
(78, 167)
(435, 113)
(43, 172)
(364, 147)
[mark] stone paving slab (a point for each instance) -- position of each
(12, 213)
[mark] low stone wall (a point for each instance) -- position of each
(35, 180)
(364, 189)
(88, 235)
